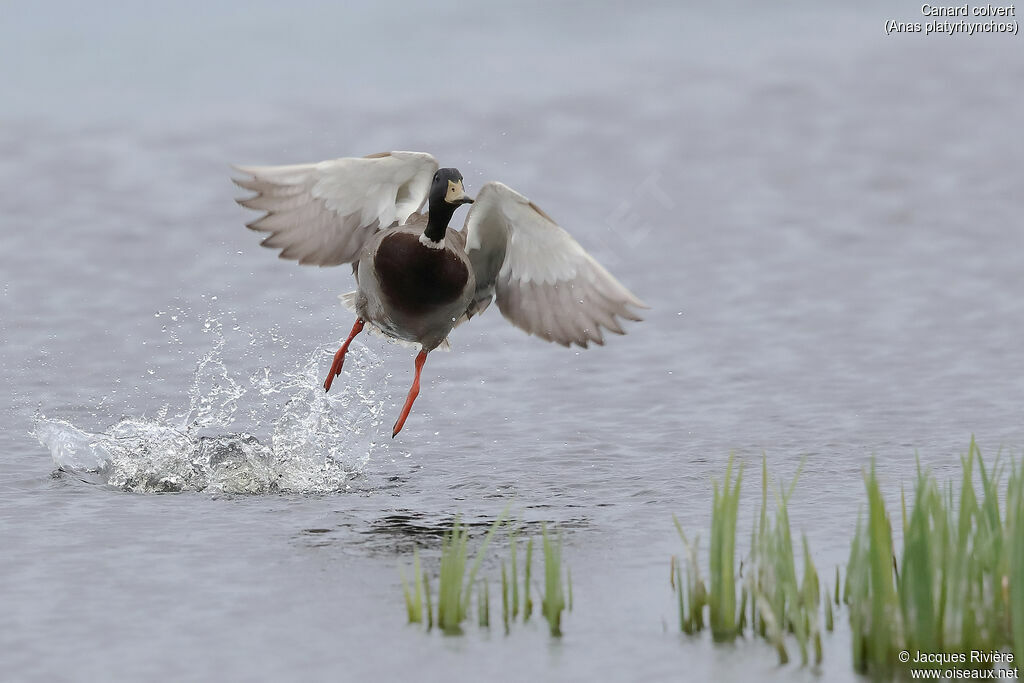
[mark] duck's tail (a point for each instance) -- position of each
(348, 300)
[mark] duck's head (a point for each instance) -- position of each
(446, 195)
(447, 189)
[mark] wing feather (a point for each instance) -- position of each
(545, 283)
(323, 213)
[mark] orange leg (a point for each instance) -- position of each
(339, 357)
(414, 391)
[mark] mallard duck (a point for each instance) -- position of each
(416, 277)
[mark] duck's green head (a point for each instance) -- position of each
(447, 189)
(446, 195)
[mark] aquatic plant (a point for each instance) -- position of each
(722, 603)
(686, 581)
(454, 586)
(510, 583)
(483, 605)
(779, 603)
(553, 602)
(414, 595)
(527, 601)
(455, 583)
(515, 574)
(958, 585)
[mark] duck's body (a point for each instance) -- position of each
(416, 277)
(410, 290)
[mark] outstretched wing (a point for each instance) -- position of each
(545, 282)
(323, 213)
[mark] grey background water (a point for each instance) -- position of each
(824, 220)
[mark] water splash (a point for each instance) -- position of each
(315, 442)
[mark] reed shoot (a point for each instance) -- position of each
(774, 603)
(457, 580)
(957, 585)
(553, 602)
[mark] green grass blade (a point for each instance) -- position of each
(515, 576)
(568, 579)
(553, 602)
(430, 607)
(504, 598)
(527, 601)
(480, 553)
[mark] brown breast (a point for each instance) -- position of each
(416, 279)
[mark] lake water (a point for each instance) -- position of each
(825, 221)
